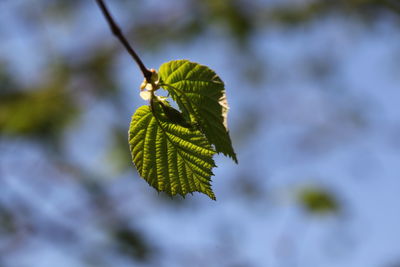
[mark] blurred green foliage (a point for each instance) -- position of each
(40, 111)
(318, 201)
(7, 221)
(131, 243)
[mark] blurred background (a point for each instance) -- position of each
(314, 92)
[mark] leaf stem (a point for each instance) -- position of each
(118, 33)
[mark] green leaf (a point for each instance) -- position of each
(200, 94)
(174, 115)
(170, 157)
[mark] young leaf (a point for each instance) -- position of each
(170, 157)
(200, 94)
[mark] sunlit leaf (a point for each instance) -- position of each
(200, 94)
(171, 158)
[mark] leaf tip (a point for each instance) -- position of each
(234, 158)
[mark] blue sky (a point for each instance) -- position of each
(290, 127)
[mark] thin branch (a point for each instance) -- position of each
(118, 33)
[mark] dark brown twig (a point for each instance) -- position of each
(118, 33)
